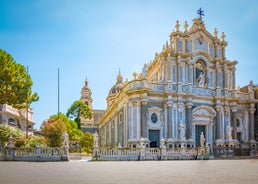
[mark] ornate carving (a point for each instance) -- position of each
(203, 115)
(227, 111)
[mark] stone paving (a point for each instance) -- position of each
(133, 172)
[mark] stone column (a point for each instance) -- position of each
(169, 115)
(251, 127)
(138, 119)
(217, 74)
(218, 122)
(234, 78)
(130, 120)
(178, 71)
(190, 74)
(234, 114)
(189, 125)
(143, 119)
(225, 76)
(207, 77)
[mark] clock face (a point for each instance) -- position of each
(86, 95)
(154, 118)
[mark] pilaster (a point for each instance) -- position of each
(144, 118)
(169, 115)
(234, 114)
(218, 123)
(189, 125)
(251, 129)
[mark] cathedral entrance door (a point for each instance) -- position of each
(154, 138)
(198, 130)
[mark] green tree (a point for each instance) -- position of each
(77, 111)
(74, 133)
(53, 129)
(32, 141)
(6, 132)
(87, 142)
(15, 83)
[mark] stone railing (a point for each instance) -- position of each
(38, 153)
(235, 151)
(150, 153)
(34, 154)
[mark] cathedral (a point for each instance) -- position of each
(185, 93)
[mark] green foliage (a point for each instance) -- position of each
(32, 141)
(53, 130)
(74, 133)
(87, 142)
(15, 84)
(6, 132)
(77, 111)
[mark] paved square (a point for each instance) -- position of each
(178, 172)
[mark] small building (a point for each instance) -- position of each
(187, 91)
(17, 118)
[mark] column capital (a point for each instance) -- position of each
(252, 110)
(234, 109)
(144, 101)
(227, 111)
(218, 108)
(169, 103)
(189, 105)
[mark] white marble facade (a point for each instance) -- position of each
(188, 88)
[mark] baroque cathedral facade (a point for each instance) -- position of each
(186, 91)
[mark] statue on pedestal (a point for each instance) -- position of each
(202, 140)
(229, 132)
(66, 139)
(201, 80)
(96, 140)
(181, 131)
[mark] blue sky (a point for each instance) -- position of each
(96, 38)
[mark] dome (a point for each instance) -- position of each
(118, 86)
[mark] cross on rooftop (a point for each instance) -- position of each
(200, 12)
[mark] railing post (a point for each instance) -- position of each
(10, 149)
(38, 150)
(163, 154)
(65, 153)
(142, 147)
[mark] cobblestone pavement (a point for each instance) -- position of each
(159, 172)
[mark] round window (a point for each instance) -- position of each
(154, 118)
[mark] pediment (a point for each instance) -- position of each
(204, 111)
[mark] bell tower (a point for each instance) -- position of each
(86, 94)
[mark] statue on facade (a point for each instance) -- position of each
(66, 139)
(229, 132)
(202, 140)
(96, 140)
(144, 71)
(181, 131)
(201, 80)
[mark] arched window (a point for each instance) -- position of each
(11, 121)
